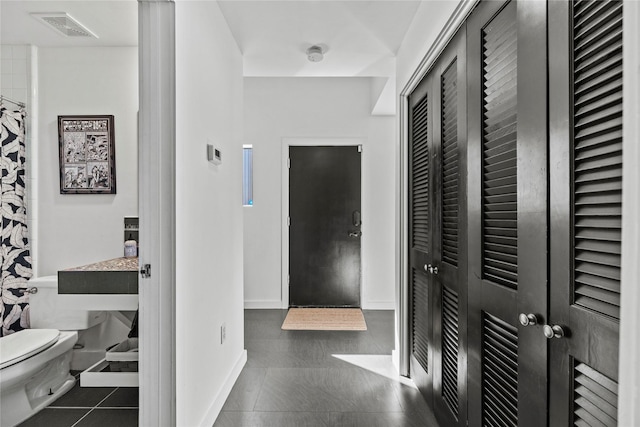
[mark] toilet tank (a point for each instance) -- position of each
(46, 313)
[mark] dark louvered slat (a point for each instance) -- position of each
(449, 189)
(420, 177)
(420, 321)
(595, 397)
(499, 372)
(450, 349)
(499, 153)
(597, 155)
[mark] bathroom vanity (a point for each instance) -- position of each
(110, 285)
(107, 285)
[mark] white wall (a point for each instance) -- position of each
(208, 212)
(427, 23)
(300, 107)
(18, 81)
(77, 229)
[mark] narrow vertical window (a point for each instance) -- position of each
(247, 175)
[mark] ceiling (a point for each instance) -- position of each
(361, 38)
(115, 22)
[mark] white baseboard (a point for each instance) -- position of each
(379, 305)
(216, 406)
(268, 304)
(395, 359)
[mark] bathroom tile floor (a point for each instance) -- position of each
(322, 378)
(90, 406)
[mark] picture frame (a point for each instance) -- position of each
(87, 154)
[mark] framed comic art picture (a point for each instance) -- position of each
(87, 155)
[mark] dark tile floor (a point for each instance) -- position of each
(321, 378)
(90, 406)
(292, 378)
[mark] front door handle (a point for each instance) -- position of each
(357, 233)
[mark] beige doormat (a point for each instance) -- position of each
(324, 319)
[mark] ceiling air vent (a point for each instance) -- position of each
(65, 24)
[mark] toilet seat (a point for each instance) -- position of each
(21, 345)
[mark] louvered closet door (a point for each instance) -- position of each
(507, 201)
(586, 206)
(449, 240)
(420, 231)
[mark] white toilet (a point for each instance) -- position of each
(34, 363)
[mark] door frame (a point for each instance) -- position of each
(629, 397)
(315, 142)
(156, 199)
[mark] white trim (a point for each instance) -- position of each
(449, 30)
(402, 251)
(311, 142)
(379, 305)
(629, 370)
(262, 304)
(156, 170)
(218, 403)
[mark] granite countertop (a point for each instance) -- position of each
(116, 264)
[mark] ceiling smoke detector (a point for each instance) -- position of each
(65, 24)
(314, 54)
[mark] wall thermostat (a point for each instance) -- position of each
(214, 155)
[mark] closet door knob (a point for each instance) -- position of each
(554, 331)
(528, 319)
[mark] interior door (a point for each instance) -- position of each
(586, 206)
(449, 265)
(507, 202)
(325, 226)
(420, 231)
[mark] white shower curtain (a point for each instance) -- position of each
(15, 267)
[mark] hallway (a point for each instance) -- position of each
(321, 378)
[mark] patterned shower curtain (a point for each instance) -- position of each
(15, 267)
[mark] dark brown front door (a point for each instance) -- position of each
(325, 226)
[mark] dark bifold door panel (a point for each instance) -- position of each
(586, 210)
(449, 245)
(515, 213)
(325, 226)
(420, 230)
(507, 209)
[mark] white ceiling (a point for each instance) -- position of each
(361, 37)
(115, 22)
